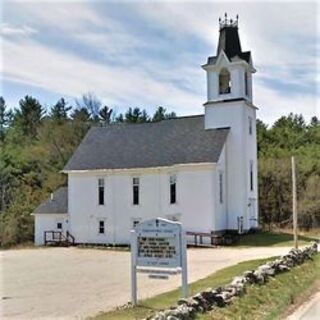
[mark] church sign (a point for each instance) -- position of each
(158, 247)
(158, 243)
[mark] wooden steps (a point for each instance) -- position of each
(57, 238)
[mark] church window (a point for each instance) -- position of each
(251, 175)
(221, 187)
(246, 85)
(135, 222)
(135, 190)
(173, 183)
(101, 191)
(250, 126)
(224, 81)
(101, 226)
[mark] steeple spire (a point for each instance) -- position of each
(229, 40)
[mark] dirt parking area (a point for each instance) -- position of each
(73, 283)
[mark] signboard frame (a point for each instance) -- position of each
(158, 247)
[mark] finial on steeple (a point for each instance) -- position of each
(228, 22)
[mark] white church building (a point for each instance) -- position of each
(200, 170)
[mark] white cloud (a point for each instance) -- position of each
(70, 75)
(67, 16)
(272, 104)
(9, 30)
(281, 43)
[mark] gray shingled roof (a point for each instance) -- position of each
(59, 203)
(168, 142)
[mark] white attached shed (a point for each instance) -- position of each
(51, 215)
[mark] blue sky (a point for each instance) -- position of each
(149, 53)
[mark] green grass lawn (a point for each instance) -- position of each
(265, 302)
(162, 301)
(270, 301)
(272, 239)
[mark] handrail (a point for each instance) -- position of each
(214, 238)
(58, 237)
(71, 236)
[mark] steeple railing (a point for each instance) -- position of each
(228, 22)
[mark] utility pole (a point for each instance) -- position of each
(294, 204)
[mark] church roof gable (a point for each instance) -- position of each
(123, 146)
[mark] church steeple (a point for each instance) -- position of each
(229, 73)
(229, 104)
(229, 40)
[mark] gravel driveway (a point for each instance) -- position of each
(73, 283)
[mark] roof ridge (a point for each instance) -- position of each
(116, 124)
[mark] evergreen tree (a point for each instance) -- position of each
(119, 118)
(81, 115)
(59, 112)
(136, 116)
(161, 114)
(29, 115)
(5, 118)
(105, 115)
(315, 122)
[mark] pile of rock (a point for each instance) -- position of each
(219, 297)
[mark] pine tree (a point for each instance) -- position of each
(4, 118)
(105, 115)
(161, 114)
(59, 112)
(29, 115)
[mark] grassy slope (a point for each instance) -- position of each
(272, 239)
(265, 302)
(273, 299)
(168, 299)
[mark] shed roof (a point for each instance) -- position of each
(58, 203)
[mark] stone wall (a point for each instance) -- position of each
(219, 297)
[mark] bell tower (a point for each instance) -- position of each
(229, 72)
(229, 104)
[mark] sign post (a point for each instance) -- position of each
(133, 269)
(158, 248)
(294, 204)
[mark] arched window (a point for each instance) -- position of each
(224, 81)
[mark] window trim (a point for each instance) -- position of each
(224, 73)
(251, 176)
(246, 83)
(136, 193)
(101, 191)
(101, 226)
(173, 189)
(221, 189)
(250, 125)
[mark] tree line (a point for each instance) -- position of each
(36, 142)
(289, 136)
